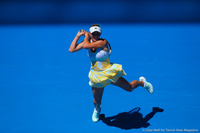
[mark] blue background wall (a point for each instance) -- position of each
(79, 11)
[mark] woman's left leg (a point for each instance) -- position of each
(124, 84)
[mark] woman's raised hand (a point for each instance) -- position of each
(80, 33)
(86, 34)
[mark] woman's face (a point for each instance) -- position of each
(95, 36)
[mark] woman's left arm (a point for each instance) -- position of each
(97, 44)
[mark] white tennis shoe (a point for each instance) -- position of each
(147, 85)
(96, 114)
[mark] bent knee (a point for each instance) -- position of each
(130, 90)
(127, 88)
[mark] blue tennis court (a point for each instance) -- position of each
(44, 88)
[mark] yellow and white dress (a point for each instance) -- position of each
(102, 72)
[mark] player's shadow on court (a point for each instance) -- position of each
(130, 120)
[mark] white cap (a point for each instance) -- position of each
(95, 28)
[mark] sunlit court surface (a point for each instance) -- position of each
(44, 88)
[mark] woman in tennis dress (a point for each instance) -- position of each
(103, 72)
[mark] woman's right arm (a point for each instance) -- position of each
(74, 47)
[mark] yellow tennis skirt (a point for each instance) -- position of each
(100, 79)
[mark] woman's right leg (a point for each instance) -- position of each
(97, 94)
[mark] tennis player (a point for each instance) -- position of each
(103, 72)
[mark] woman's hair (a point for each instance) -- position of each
(95, 25)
